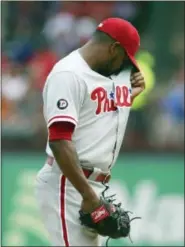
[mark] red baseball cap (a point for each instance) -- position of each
(123, 32)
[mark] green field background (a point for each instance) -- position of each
(152, 186)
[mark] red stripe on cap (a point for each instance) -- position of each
(62, 210)
(66, 117)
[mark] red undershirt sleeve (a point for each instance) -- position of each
(61, 130)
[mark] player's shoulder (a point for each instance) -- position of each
(65, 74)
(69, 66)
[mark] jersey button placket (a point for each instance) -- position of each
(117, 116)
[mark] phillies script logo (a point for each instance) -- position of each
(122, 98)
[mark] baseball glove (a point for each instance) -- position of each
(108, 219)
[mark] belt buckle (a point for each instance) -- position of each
(107, 178)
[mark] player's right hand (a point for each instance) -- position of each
(137, 83)
(89, 205)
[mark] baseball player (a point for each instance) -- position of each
(86, 108)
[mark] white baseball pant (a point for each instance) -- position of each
(59, 203)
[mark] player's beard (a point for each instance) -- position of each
(103, 71)
(107, 68)
(126, 65)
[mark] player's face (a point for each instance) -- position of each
(117, 60)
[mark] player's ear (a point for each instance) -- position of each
(114, 49)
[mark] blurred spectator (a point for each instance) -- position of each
(60, 32)
(74, 8)
(41, 63)
(6, 110)
(168, 125)
(99, 10)
(21, 102)
(14, 82)
(15, 85)
(85, 27)
(137, 132)
(36, 36)
(20, 49)
(64, 32)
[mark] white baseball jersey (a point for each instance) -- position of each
(98, 107)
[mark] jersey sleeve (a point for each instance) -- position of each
(63, 96)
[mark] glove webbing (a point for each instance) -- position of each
(110, 199)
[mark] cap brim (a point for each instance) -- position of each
(134, 62)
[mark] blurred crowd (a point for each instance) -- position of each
(36, 36)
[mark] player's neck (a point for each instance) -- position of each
(89, 54)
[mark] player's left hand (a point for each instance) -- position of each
(137, 83)
(107, 220)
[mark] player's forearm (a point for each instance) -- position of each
(67, 159)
